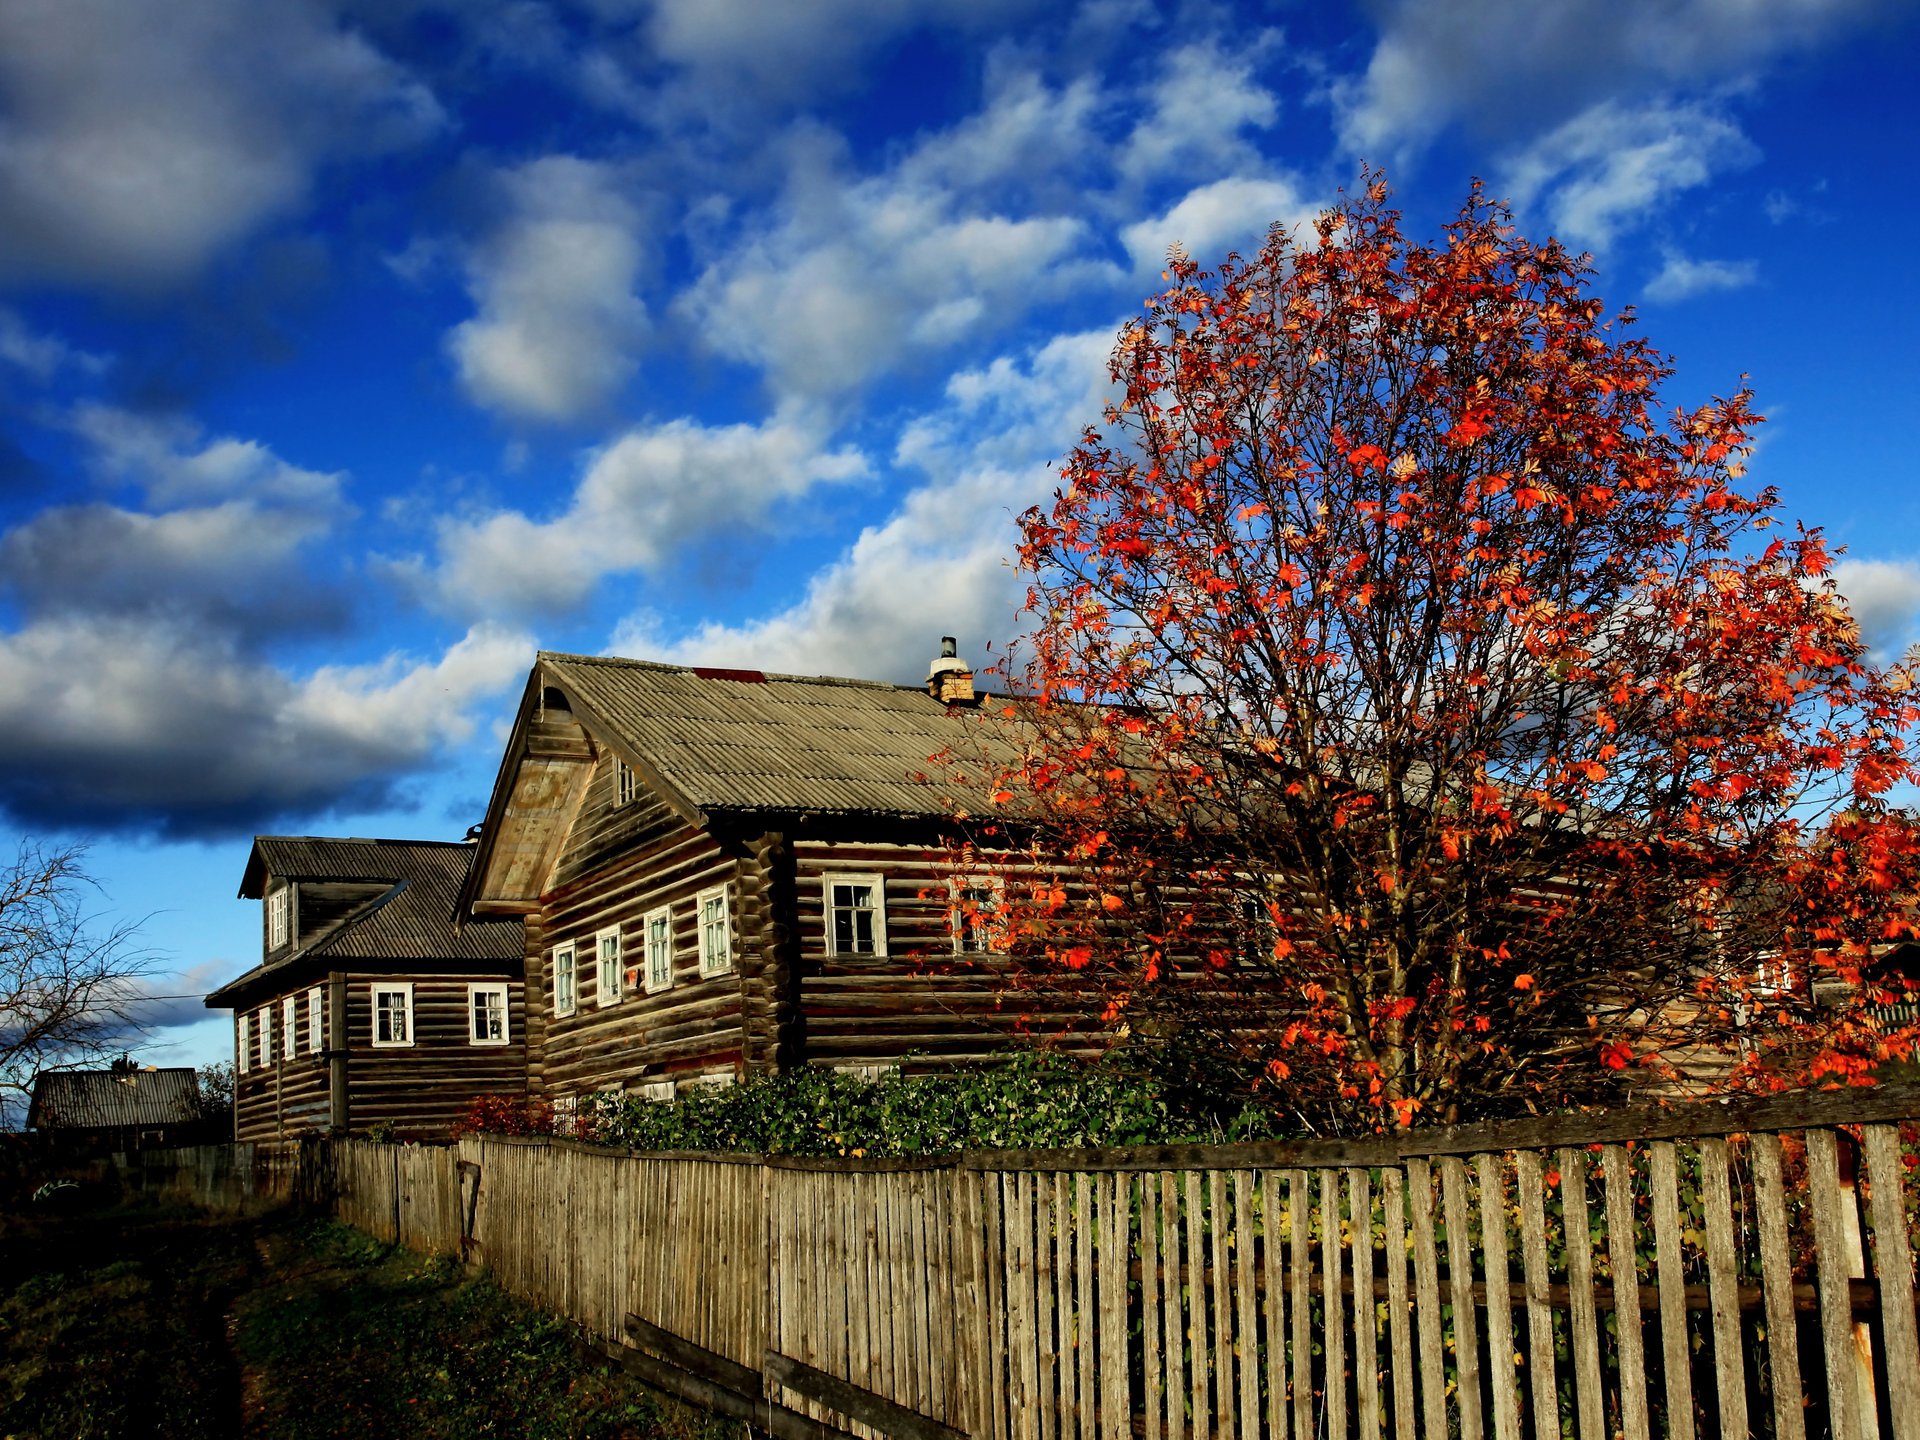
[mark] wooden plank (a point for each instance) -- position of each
(1247, 1343)
(776, 1420)
(852, 1400)
(1199, 1353)
(1084, 1301)
(1047, 1348)
(1833, 1266)
(1366, 1342)
(1723, 1279)
(696, 1359)
(1393, 1205)
(1893, 1255)
(1502, 1379)
(910, 1287)
(1220, 1352)
(1273, 1272)
(1529, 1183)
(1626, 1288)
(1333, 1324)
(1173, 1309)
(1675, 1362)
(1460, 1248)
(1063, 1305)
(1116, 1404)
(1020, 1303)
(1152, 1282)
(981, 1384)
(1776, 1278)
(1300, 1258)
(1583, 1323)
(1426, 1289)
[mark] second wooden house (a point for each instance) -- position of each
(370, 1009)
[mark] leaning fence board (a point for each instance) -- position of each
(1426, 1285)
(1626, 1292)
(1453, 1188)
(1893, 1256)
(1366, 1344)
(1221, 1350)
(1834, 1268)
(1493, 1243)
(1675, 1363)
(1529, 1183)
(1393, 1205)
(1273, 1273)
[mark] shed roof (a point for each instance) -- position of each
(744, 741)
(98, 1099)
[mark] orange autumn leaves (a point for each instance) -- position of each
(1429, 711)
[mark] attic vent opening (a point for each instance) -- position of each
(552, 699)
(740, 677)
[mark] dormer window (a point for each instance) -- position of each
(279, 917)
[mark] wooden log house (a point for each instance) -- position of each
(370, 1007)
(725, 872)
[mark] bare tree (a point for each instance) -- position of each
(68, 986)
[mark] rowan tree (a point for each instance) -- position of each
(1415, 706)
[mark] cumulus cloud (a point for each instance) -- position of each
(558, 321)
(940, 564)
(136, 141)
(1211, 219)
(852, 277)
(1199, 108)
(1614, 167)
(638, 500)
(1884, 596)
(132, 724)
(1681, 277)
(1510, 69)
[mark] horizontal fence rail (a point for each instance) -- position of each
(1726, 1270)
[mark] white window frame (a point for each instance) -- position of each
(607, 969)
(243, 1041)
(316, 1021)
(655, 925)
(263, 1039)
(714, 960)
(626, 784)
(656, 1090)
(878, 885)
(566, 1115)
(990, 936)
(496, 989)
(279, 917)
(402, 988)
(566, 961)
(289, 1027)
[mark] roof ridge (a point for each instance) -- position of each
(661, 666)
(364, 840)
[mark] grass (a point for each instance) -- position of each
(127, 1323)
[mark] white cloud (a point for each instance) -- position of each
(1204, 99)
(1209, 220)
(1680, 278)
(1510, 69)
(854, 277)
(167, 458)
(139, 140)
(1884, 596)
(649, 492)
(558, 321)
(940, 565)
(40, 355)
(1616, 167)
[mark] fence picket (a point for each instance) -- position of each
(1273, 1256)
(1466, 1352)
(1493, 1244)
(1626, 1292)
(1152, 1282)
(1833, 1268)
(1300, 1256)
(1366, 1344)
(1221, 1350)
(1893, 1257)
(1426, 1286)
(1393, 1204)
(1675, 1363)
(1529, 1183)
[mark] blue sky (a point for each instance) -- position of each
(349, 352)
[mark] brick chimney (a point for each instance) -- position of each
(949, 678)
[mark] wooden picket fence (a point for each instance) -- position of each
(1730, 1270)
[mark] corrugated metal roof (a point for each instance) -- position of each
(96, 1099)
(780, 742)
